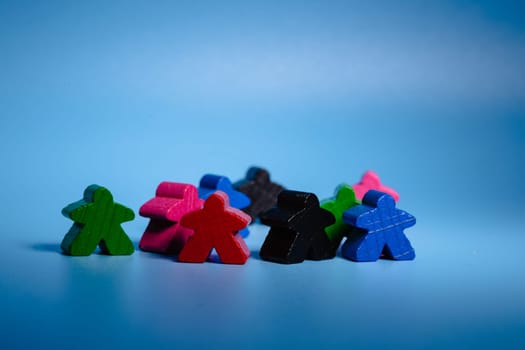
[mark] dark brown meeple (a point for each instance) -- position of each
(262, 191)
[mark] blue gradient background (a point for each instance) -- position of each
(126, 94)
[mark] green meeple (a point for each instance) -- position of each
(97, 222)
(343, 200)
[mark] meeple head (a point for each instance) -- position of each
(96, 193)
(175, 190)
(218, 199)
(371, 178)
(216, 182)
(258, 175)
(379, 199)
(344, 193)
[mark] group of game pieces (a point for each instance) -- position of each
(188, 222)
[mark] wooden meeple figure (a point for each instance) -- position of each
(297, 229)
(97, 222)
(215, 225)
(371, 181)
(211, 183)
(172, 201)
(343, 200)
(377, 230)
(262, 192)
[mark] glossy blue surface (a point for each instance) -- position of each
(128, 94)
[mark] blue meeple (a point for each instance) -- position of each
(377, 230)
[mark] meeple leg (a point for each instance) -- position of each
(284, 246)
(398, 246)
(80, 240)
(232, 249)
(116, 242)
(367, 247)
(157, 236)
(196, 250)
(322, 248)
